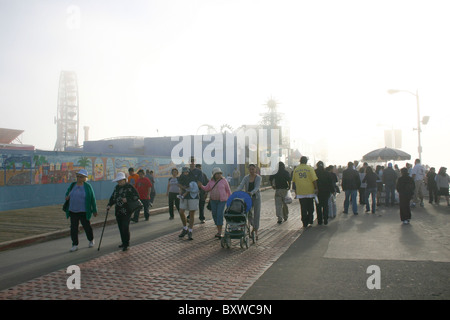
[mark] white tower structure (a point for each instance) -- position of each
(67, 118)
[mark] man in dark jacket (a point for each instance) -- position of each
(325, 187)
(281, 182)
(350, 184)
(390, 181)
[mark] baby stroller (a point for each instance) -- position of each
(237, 222)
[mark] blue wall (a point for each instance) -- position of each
(39, 178)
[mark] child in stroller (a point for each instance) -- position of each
(237, 222)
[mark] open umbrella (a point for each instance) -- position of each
(386, 154)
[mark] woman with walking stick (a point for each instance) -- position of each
(123, 194)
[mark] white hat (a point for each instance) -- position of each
(216, 170)
(83, 172)
(120, 176)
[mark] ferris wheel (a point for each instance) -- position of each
(67, 116)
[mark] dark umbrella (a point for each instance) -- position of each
(386, 154)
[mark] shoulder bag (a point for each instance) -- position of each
(208, 206)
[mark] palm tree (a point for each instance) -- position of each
(84, 162)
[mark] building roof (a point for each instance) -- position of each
(9, 135)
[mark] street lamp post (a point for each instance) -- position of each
(424, 121)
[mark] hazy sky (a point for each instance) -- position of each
(163, 68)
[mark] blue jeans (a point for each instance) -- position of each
(351, 194)
(390, 193)
(372, 191)
(218, 209)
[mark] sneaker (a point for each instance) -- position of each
(190, 236)
(91, 244)
(74, 248)
(183, 233)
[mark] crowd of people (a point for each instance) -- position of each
(316, 190)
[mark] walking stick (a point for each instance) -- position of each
(101, 237)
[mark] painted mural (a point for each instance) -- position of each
(46, 167)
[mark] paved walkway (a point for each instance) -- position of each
(169, 268)
(173, 268)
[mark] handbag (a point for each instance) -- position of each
(66, 205)
(135, 205)
(288, 198)
(208, 206)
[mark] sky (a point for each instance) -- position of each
(165, 68)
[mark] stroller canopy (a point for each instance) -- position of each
(241, 195)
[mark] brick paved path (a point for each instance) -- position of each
(173, 268)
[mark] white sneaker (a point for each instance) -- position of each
(91, 243)
(74, 248)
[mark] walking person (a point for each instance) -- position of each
(190, 200)
(350, 184)
(305, 180)
(143, 187)
(132, 178)
(389, 179)
(442, 182)
(281, 182)
(173, 190)
(123, 194)
(325, 188)
(151, 177)
(219, 192)
(371, 180)
(202, 195)
(379, 173)
(332, 208)
(405, 188)
(432, 186)
(362, 188)
(82, 205)
(251, 184)
(236, 176)
(418, 175)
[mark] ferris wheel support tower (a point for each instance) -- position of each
(67, 117)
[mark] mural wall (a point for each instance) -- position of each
(36, 178)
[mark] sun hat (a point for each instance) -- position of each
(216, 170)
(120, 176)
(83, 172)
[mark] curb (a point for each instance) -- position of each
(61, 233)
(7, 245)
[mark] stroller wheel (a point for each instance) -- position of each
(244, 242)
(222, 242)
(228, 242)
